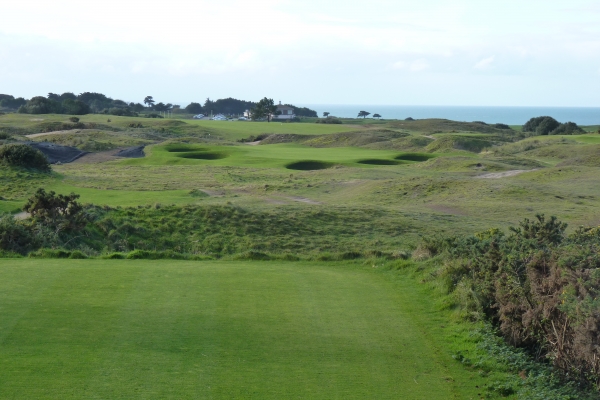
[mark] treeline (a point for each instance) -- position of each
(537, 285)
(69, 103)
(98, 103)
(231, 106)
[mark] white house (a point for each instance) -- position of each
(284, 112)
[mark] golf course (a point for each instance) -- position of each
(267, 260)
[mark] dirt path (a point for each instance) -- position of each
(34, 135)
(253, 143)
(304, 200)
(505, 174)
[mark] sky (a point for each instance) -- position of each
(396, 52)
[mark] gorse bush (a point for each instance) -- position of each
(21, 155)
(539, 286)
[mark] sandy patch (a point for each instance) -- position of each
(304, 200)
(34, 135)
(96, 158)
(253, 143)
(505, 174)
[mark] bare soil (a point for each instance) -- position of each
(505, 174)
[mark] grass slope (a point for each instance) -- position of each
(143, 329)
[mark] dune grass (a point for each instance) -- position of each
(146, 329)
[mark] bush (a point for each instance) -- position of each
(74, 119)
(21, 155)
(50, 253)
(569, 128)
(501, 126)
(15, 236)
(77, 255)
(329, 120)
(540, 287)
(550, 126)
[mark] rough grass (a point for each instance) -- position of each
(168, 329)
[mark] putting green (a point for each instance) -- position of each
(272, 156)
(161, 329)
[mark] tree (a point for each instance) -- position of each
(21, 155)
(376, 116)
(41, 105)
(149, 101)
(363, 114)
(75, 107)
(326, 114)
(265, 108)
(193, 108)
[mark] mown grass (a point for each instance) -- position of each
(159, 329)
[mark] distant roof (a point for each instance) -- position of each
(283, 107)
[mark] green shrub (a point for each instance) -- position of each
(529, 283)
(77, 255)
(114, 256)
(21, 155)
(74, 119)
(50, 253)
(15, 237)
(329, 120)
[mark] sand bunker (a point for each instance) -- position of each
(132, 152)
(56, 153)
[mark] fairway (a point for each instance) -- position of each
(165, 329)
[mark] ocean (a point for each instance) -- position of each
(506, 115)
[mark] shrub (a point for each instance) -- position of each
(569, 128)
(21, 155)
(77, 255)
(74, 119)
(501, 126)
(538, 286)
(329, 120)
(58, 212)
(15, 236)
(114, 256)
(50, 253)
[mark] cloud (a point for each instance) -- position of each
(398, 65)
(485, 63)
(419, 65)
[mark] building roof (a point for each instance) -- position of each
(282, 107)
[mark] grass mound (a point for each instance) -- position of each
(435, 125)
(377, 161)
(204, 156)
(420, 157)
(183, 148)
(455, 142)
(309, 165)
